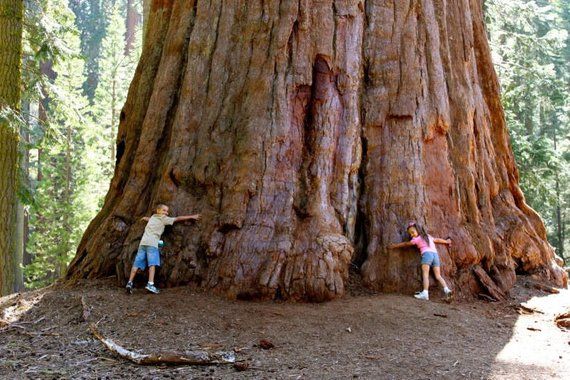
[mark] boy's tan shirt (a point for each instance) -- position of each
(154, 228)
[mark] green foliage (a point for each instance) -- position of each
(530, 44)
(58, 216)
(92, 19)
(72, 143)
(115, 73)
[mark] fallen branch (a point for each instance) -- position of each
(544, 288)
(187, 358)
(160, 358)
(521, 309)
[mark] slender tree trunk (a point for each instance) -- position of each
(307, 134)
(25, 136)
(46, 70)
(20, 236)
(11, 14)
(67, 200)
(132, 22)
(113, 119)
(558, 211)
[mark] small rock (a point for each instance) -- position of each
(266, 344)
(241, 366)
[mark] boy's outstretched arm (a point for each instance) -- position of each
(187, 217)
(401, 245)
(442, 241)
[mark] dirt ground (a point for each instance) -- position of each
(373, 336)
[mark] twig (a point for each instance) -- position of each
(486, 297)
(85, 361)
(86, 309)
(12, 326)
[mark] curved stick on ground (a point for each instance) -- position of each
(172, 358)
(187, 358)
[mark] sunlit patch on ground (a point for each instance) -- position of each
(21, 305)
(536, 341)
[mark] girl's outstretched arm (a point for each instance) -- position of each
(401, 245)
(442, 241)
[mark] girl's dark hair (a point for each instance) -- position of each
(421, 230)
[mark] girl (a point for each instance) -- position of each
(430, 258)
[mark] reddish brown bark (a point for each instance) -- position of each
(307, 134)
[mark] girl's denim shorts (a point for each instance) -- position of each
(430, 258)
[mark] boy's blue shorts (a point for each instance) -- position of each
(147, 255)
(430, 258)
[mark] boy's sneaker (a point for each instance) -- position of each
(422, 295)
(129, 287)
(152, 288)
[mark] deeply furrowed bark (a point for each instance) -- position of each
(307, 133)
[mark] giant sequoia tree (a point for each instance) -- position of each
(307, 133)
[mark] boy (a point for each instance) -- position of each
(148, 253)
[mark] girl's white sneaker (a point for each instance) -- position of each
(422, 295)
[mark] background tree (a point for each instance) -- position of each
(92, 21)
(117, 63)
(529, 40)
(60, 213)
(11, 14)
(307, 134)
(71, 141)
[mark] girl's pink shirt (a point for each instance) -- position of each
(423, 246)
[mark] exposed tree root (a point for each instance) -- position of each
(563, 321)
(488, 284)
(160, 358)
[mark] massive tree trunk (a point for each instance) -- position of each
(307, 133)
(11, 13)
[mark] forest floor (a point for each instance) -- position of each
(44, 335)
